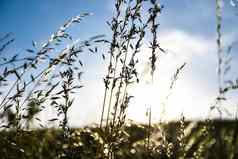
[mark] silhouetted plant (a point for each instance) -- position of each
(50, 76)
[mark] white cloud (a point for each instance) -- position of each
(185, 44)
(194, 92)
(196, 87)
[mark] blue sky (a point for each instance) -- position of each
(36, 20)
(187, 32)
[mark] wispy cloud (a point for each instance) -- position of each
(193, 94)
(196, 88)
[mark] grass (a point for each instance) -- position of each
(50, 77)
(88, 142)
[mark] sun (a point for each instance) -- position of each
(164, 106)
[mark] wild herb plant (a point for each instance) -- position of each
(129, 26)
(35, 81)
